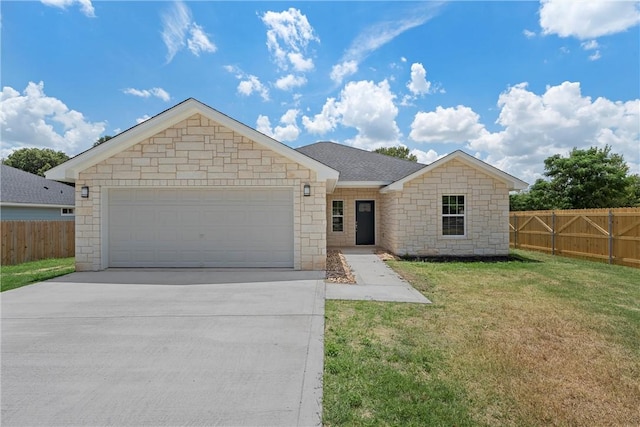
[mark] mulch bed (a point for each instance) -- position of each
(338, 271)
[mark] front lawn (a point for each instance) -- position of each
(535, 342)
(15, 276)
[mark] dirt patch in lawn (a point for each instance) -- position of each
(338, 271)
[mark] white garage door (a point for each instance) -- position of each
(201, 227)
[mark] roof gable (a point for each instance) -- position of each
(70, 170)
(20, 187)
(512, 182)
(359, 166)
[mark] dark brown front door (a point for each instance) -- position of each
(365, 222)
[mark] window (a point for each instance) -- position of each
(67, 211)
(453, 215)
(337, 215)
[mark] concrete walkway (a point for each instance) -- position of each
(375, 281)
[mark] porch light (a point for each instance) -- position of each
(84, 192)
(306, 190)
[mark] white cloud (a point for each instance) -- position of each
(158, 92)
(378, 35)
(325, 121)
(300, 63)
(34, 119)
(403, 59)
(290, 81)
(143, 118)
(538, 126)
(288, 35)
(365, 106)
(230, 68)
(179, 31)
(85, 5)
(426, 157)
(252, 84)
(456, 124)
(345, 69)
(587, 19)
(199, 41)
(528, 33)
(592, 45)
(288, 132)
(249, 83)
(419, 85)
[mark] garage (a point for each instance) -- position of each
(201, 227)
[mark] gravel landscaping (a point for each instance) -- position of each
(338, 271)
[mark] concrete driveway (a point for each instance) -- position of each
(164, 347)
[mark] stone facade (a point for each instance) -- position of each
(347, 237)
(411, 219)
(198, 152)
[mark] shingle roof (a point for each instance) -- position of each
(360, 165)
(18, 186)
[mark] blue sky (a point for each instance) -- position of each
(508, 82)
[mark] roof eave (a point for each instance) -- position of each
(362, 184)
(34, 205)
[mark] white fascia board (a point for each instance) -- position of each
(70, 170)
(33, 205)
(512, 182)
(362, 184)
(331, 185)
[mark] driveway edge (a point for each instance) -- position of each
(310, 411)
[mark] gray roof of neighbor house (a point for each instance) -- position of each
(360, 165)
(18, 186)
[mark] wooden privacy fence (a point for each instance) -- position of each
(24, 241)
(608, 235)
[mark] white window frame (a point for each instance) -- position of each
(463, 215)
(69, 212)
(337, 216)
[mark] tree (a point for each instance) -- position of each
(591, 178)
(35, 160)
(102, 139)
(538, 197)
(399, 152)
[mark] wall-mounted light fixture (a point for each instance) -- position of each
(84, 192)
(306, 190)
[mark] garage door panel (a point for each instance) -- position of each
(156, 227)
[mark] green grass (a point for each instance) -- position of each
(535, 342)
(15, 276)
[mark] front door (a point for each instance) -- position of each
(365, 223)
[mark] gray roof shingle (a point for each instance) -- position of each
(359, 165)
(18, 186)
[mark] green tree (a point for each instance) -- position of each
(102, 139)
(399, 152)
(35, 160)
(538, 197)
(591, 178)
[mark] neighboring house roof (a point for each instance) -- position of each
(511, 181)
(69, 170)
(357, 165)
(23, 188)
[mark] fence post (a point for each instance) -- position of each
(553, 233)
(515, 234)
(610, 237)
